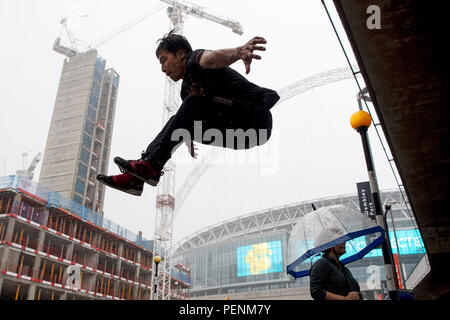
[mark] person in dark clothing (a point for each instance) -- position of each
(330, 279)
(220, 107)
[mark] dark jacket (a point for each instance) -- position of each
(328, 275)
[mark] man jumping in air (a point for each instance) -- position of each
(215, 97)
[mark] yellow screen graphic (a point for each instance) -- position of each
(259, 258)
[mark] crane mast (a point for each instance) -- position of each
(165, 199)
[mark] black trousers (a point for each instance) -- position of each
(242, 125)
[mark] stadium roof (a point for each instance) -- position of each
(272, 220)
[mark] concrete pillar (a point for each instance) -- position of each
(10, 229)
(98, 240)
(36, 266)
(117, 270)
(73, 229)
(136, 288)
(16, 204)
(38, 258)
(41, 239)
(31, 292)
(92, 260)
(116, 287)
(134, 293)
(69, 253)
(46, 214)
(90, 280)
(8, 257)
(138, 260)
(4, 258)
(118, 265)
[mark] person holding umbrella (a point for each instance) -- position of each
(329, 278)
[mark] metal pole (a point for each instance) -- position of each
(388, 208)
(156, 261)
(385, 247)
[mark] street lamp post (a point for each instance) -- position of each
(176, 285)
(157, 260)
(360, 121)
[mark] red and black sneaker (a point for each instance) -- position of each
(140, 169)
(124, 182)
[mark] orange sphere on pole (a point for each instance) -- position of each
(360, 119)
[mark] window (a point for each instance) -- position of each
(91, 114)
(77, 199)
(100, 64)
(115, 81)
(79, 186)
(82, 170)
(95, 88)
(84, 156)
(97, 76)
(89, 127)
(93, 101)
(87, 141)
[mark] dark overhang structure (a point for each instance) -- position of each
(404, 63)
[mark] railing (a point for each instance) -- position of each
(25, 240)
(19, 268)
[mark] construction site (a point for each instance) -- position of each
(51, 248)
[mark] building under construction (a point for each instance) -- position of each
(79, 138)
(44, 238)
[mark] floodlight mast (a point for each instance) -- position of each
(165, 199)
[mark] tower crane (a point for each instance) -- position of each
(201, 12)
(165, 199)
(58, 47)
(29, 172)
(74, 48)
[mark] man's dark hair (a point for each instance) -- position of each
(173, 42)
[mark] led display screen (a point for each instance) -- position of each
(260, 258)
(409, 242)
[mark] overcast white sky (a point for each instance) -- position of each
(314, 152)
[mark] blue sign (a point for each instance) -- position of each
(409, 242)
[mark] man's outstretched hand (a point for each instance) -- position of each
(245, 52)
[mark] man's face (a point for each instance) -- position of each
(173, 65)
(340, 249)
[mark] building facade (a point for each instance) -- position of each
(52, 248)
(245, 257)
(79, 138)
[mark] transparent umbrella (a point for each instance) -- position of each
(326, 227)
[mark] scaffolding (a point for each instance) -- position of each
(43, 235)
